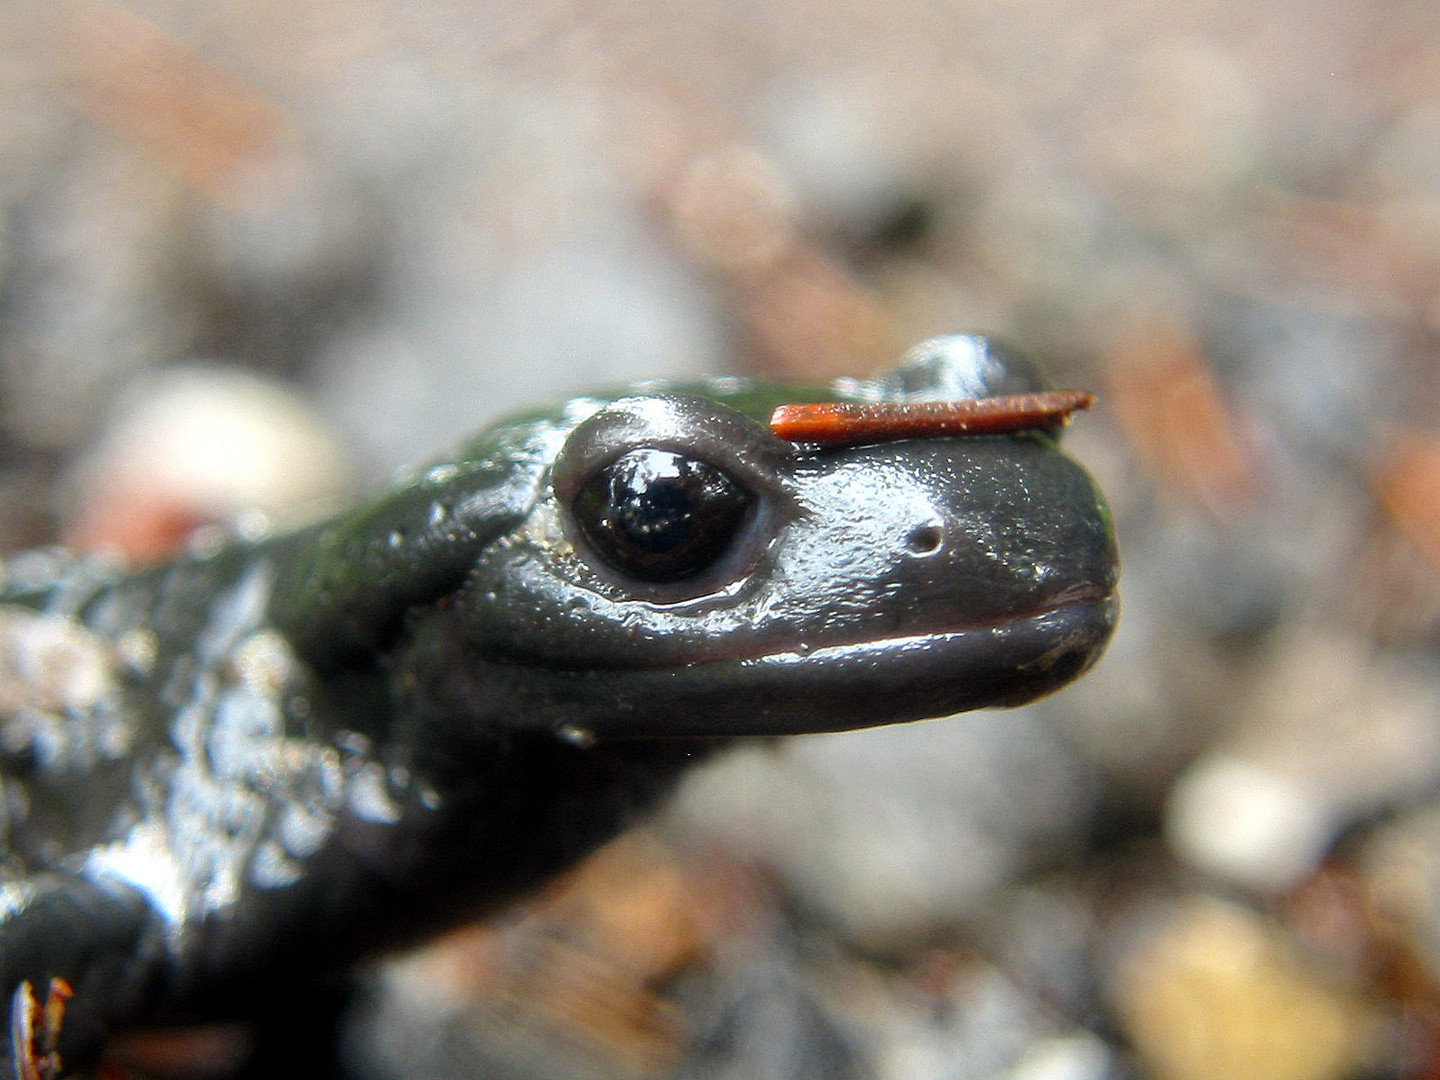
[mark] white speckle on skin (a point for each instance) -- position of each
(33, 569)
(253, 525)
(243, 729)
(728, 385)
(353, 742)
(13, 896)
(304, 828)
(242, 799)
(235, 797)
(578, 737)
(575, 411)
(369, 796)
(265, 662)
(137, 649)
(329, 775)
(207, 541)
(143, 859)
(442, 474)
(59, 691)
(51, 662)
(272, 868)
(236, 614)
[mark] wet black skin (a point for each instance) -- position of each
(526, 647)
(905, 580)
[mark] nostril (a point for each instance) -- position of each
(925, 539)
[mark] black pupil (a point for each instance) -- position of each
(659, 516)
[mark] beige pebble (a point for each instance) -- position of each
(1217, 994)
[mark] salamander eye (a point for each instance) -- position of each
(658, 516)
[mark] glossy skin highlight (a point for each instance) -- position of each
(261, 762)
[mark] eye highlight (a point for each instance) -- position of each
(659, 516)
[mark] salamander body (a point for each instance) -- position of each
(266, 759)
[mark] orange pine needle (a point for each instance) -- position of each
(848, 424)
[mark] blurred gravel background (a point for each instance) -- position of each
(258, 254)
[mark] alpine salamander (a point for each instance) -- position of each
(266, 759)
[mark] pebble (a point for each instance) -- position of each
(896, 833)
(204, 444)
(1330, 734)
(1215, 992)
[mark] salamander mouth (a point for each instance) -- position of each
(846, 686)
(1048, 619)
(893, 680)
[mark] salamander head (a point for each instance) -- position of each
(687, 572)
